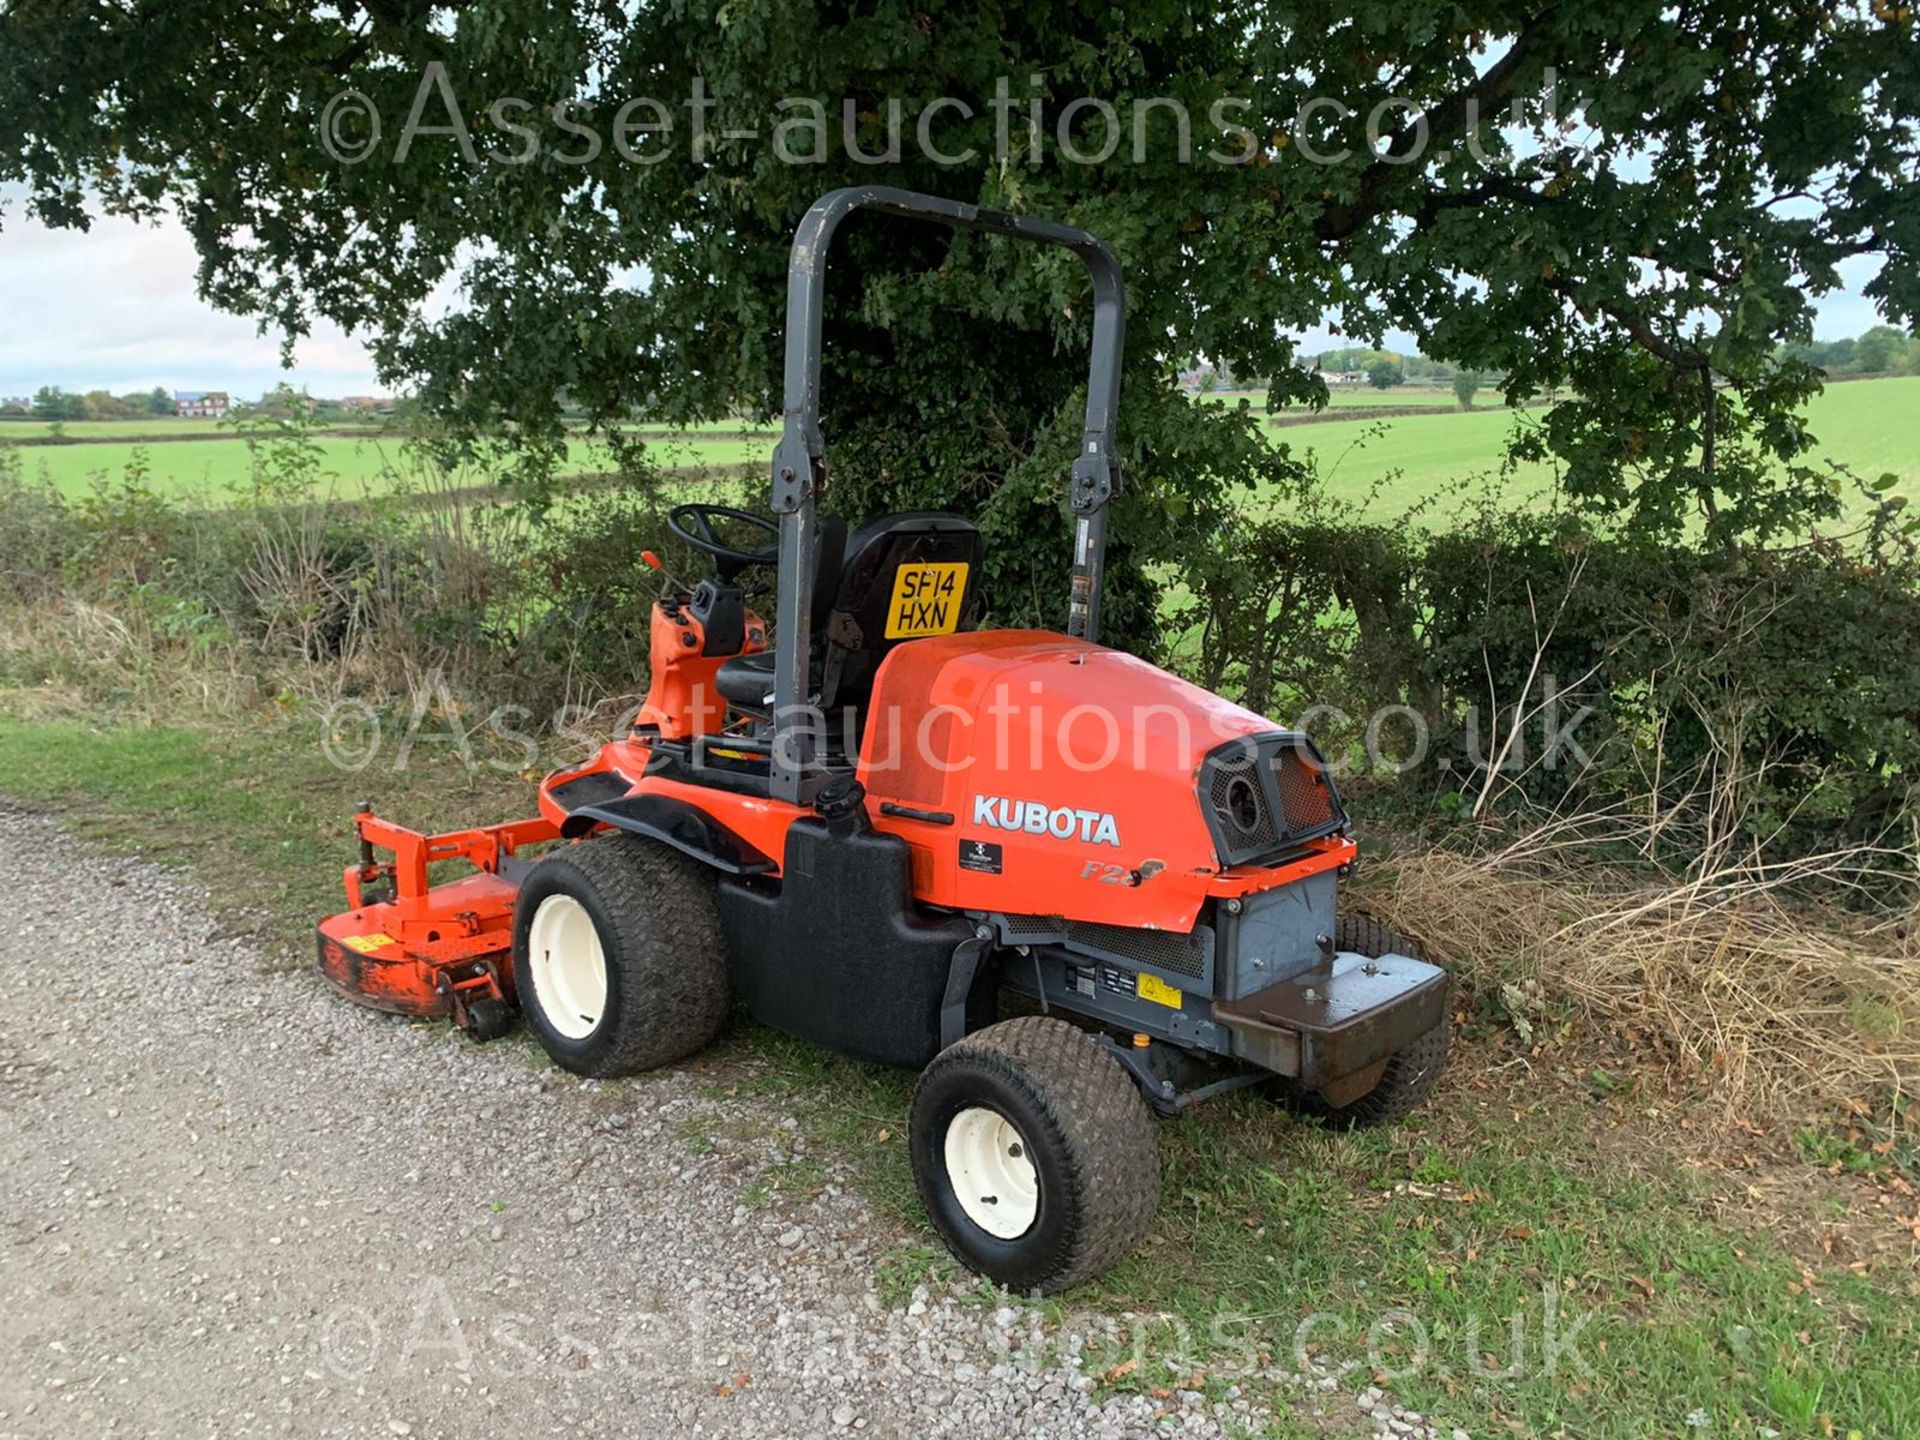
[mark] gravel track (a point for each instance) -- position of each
(232, 1205)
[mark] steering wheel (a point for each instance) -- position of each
(695, 525)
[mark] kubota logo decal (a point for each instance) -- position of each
(1030, 817)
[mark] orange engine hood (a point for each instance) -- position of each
(1069, 771)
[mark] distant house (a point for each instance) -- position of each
(202, 404)
(366, 402)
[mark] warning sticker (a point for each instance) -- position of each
(367, 944)
(1153, 988)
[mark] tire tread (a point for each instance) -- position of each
(667, 944)
(1113, 1155)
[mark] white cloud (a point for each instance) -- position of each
(114, 308)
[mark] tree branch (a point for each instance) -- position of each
(1449, 118)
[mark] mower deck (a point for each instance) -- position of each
(423, 949)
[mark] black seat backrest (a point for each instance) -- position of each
(875, 608)
(826, 578)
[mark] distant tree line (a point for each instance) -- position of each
(1883, 350)
(50, 402)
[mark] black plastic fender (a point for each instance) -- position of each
(685, 827)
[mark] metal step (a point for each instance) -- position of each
(1336, 1020)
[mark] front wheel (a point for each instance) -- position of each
(1034, 1154)
(617, 955)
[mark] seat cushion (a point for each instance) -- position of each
(747, 681)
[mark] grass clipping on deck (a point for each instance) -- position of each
(1729, 975)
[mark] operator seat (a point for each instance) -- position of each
(853, 607)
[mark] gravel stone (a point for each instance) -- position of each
(233, 1204)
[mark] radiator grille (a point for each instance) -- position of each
(1240, 806)
(1266, 797)
(1023, 927)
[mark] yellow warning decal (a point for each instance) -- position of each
(926, 600)
(1152, 987)
(367, 944)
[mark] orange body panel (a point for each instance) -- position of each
(997, 723)
(1079, 762)
(681, 700)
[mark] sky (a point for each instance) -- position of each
(115, 309)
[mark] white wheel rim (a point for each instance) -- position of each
(569, 966)
(991, 1173)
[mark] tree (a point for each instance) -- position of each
(1466, 385)
(1384, 374)
(1881, 349)
(1650, 274)
(104, 405)
(50, 402)
(159, 402)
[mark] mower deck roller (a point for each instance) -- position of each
(869, 824)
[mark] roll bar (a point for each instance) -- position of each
(800, 466)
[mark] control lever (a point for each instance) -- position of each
(673, 585)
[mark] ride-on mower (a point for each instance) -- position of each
(888, 829)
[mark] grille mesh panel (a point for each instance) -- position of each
(1035, 925)
(1303, 791)
(1162, 949)
(1243, 779)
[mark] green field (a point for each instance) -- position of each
(1390, 462)
(157, 426)
(1365, 397)
(211, 470)
(1872, 426)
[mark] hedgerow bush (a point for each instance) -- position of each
(1769, 695)
(1762, 697)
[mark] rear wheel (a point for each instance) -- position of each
(617, 956)
(1410, 1074)
(1034, 1154)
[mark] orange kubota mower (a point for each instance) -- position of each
(888, 829)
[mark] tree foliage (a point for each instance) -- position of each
(1646, 243)
(50, 402)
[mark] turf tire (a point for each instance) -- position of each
(1087, 1131)
(659, 927)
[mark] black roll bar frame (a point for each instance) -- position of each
(800, 466)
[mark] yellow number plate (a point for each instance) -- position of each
(1152, 987)
(367, 944)
(926, 600)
